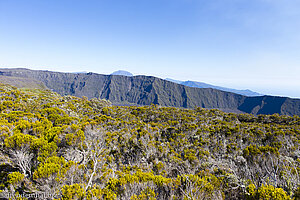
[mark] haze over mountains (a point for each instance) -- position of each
(146, 90)
(205, 85)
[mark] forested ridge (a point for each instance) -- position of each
(76, 148)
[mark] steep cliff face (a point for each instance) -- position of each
(290, 107)
(146, 90)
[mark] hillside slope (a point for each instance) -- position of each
(147, 90)
(21, 82)
(66, 148)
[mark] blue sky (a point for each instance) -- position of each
(232, 43)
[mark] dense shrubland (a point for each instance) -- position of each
(75, 148)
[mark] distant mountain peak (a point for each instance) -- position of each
(83, 72)
(122, 73)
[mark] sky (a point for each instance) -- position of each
(240, 44)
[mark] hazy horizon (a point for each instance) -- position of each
(237, 44)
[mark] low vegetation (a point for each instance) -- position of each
(75, 148)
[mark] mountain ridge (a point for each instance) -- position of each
(147, 90)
